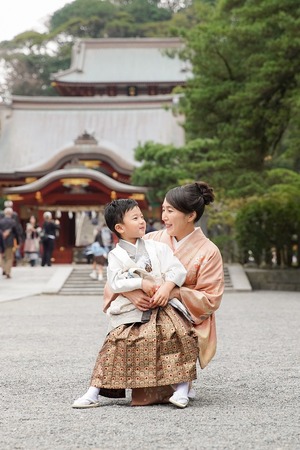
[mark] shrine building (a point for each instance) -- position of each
(73, 153)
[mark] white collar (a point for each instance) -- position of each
(177, 244)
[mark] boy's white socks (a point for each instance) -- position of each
(92, 393)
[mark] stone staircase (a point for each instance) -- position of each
(227, 279)
(80, 283)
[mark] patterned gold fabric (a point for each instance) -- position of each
(160, 352)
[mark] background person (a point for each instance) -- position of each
(48, 235)
(107, 238)
(150, 226)
(10, 235)
(32, 242)
(99, 252)
(1, 248)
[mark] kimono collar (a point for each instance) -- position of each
(176, 244)
(135, 251)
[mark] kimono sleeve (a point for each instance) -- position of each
(203, 299)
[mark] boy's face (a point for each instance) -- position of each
(133, 226)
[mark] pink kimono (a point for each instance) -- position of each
(203, 288)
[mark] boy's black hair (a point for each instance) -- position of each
(115, 211)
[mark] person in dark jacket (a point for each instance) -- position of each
(10, 235)
(48, 235)
(1, 247)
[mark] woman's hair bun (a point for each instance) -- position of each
(206, 192)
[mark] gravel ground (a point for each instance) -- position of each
(247, 398)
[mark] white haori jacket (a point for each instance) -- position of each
(165, 267)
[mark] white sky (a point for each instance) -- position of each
(17, 16)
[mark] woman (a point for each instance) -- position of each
(48, 235)
(31, 244)
(201, 295)
(202, 291)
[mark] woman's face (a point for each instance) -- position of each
(177, 223)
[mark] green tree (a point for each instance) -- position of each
(83, 9)
(271, 221)
(145, 11)
(246, 84)
(29, 65)
(122, 26)
(160, 170)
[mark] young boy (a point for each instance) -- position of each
(138, 264)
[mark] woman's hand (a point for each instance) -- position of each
(139, 299)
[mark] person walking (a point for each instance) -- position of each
(1, 248)
(10, 235)
(32, 244)
(99, 252)
(48, 235)
(107, 238)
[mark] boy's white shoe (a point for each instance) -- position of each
(93, 275)
(100, 277)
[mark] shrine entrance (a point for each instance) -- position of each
(75, 197)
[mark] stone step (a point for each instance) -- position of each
(80, 283)
(82, 292)
(227, 279)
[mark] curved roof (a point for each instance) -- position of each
(105, 152)
(130, 60)
(75, 173)
(35, 130)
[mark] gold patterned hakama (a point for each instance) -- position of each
(160, 352)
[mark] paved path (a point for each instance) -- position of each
(28, 281)
(248, 398)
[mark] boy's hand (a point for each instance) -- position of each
(162, 295)
(148, 286)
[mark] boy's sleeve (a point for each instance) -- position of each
(117, 277)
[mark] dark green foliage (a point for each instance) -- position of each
(143, 12)
(83, 9)
(160, 170)
(272, 221)
(246, 85)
